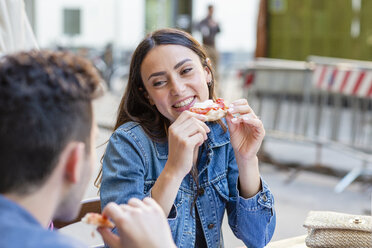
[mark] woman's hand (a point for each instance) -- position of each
(185, 136)
(246, 130)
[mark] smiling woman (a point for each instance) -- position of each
(188, 165)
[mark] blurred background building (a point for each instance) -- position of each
(287, 29)
(90, 26)
(94, 23)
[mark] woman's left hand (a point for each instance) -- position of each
(246, 130)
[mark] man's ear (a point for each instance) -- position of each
(74, 156)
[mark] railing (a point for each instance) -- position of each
(324, 101)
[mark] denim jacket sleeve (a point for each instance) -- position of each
(123, 169)
(252, 220)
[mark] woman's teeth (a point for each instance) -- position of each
(184, 103)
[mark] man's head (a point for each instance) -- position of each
(210, 10)
(45, 106)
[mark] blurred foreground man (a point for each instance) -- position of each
(47, 152)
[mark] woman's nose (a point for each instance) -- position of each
(177, 87)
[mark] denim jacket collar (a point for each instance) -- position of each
(216, 138)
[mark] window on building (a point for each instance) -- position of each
(71, 22)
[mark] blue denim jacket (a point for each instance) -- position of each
(133, 162)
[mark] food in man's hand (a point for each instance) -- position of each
(212, 110)
(97, 220)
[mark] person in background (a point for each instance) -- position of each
(47, 150)
(209, 28)
(194, 169)
(108, 58)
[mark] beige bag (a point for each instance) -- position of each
(331, 229)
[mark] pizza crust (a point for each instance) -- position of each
(214, 115)
(97, 220)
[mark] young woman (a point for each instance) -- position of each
(194, 169)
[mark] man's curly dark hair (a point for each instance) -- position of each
(45, 103)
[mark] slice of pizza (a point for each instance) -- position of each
(212, 110)
(97, 220)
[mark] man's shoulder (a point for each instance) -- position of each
(26, 236)
(204, 19)
(18, 228)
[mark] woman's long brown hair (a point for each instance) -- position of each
(134, 106)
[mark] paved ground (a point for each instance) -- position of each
(294, 199)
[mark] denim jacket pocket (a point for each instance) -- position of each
(221, 186)
(173, 214)
(148, 186)
(179, 199)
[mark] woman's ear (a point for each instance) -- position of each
(208, 74)
(151, 101)
(147, 96)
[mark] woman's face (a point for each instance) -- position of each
(174, 79)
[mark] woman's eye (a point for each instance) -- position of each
(158, 83)
(186, 70)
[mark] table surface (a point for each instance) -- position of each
(295, 242)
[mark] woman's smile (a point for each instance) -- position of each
(184, 104)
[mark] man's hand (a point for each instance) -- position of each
(139, 224)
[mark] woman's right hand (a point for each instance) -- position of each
(185, 136)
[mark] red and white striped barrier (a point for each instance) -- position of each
(345, 81)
